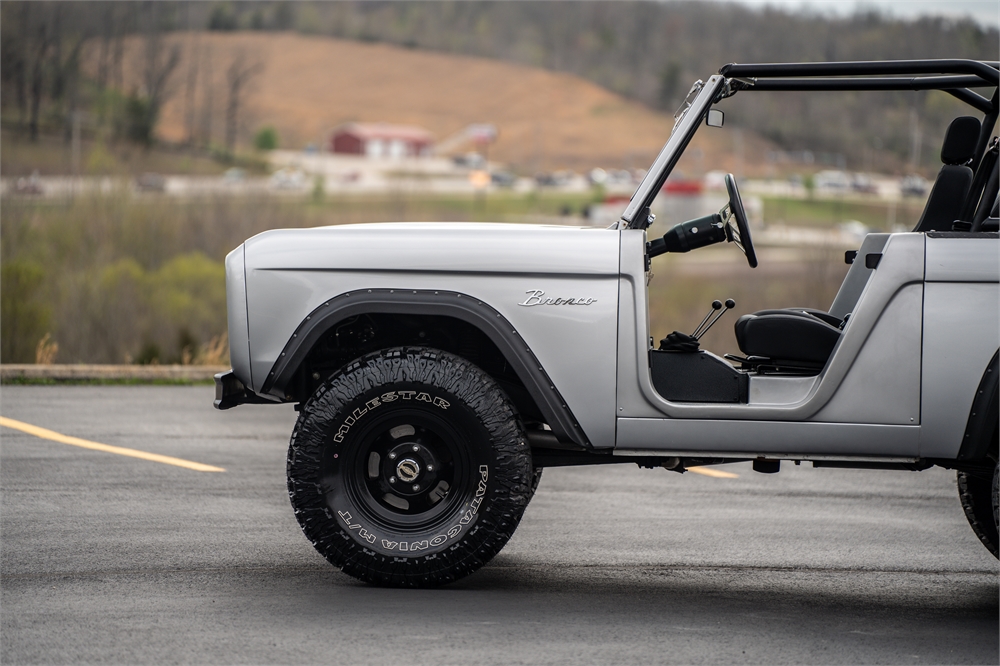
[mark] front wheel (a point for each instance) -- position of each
(409, 468)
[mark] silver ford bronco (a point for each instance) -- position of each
(439, 368)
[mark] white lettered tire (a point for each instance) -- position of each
(409, 468)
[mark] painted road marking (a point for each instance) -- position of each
(716, 473)
(97, 446)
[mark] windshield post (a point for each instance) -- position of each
(685, 127)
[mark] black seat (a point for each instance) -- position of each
(801, 338)
(951, 188)
(793, 336)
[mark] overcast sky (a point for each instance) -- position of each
(986, 12)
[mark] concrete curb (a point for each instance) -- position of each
(80, 372)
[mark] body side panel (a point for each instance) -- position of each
(857, 276)
(952, 259)
(672, 436)
(901, 266)
(961, 334)
(883, 384)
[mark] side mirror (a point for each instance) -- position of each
(715, 118)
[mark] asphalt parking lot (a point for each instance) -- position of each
(114, 559)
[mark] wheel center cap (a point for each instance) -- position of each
(408, 470)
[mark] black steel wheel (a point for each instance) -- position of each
(409, 468)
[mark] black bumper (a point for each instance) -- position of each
(230, 392)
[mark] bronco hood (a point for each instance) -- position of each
(437, 247)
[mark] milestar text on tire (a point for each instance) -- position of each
(409, 468)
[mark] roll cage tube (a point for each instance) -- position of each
(987, 71)
(954, 76)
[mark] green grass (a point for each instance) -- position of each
(875, 214)
(52, 156)
(116, 278)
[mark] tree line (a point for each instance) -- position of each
(648, 51)
(113, 63)
(653, 51)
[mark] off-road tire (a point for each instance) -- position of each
(343, 456)
(979, 495)
(536, 478)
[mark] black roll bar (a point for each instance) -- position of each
(987, 71)
(953, 76)
(953, 85)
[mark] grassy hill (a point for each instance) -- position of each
(308, 85)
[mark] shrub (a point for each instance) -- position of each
(24, 317)
(266, 139)
(139, 120)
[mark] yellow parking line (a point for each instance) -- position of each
(97, 446)
(716, 473)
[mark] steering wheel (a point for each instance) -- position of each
(739, 232)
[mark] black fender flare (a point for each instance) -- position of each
(984, 414)
(430, 302)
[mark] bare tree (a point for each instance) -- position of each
(116, 74)
(104, 57)
(193, 57)
(14, 54)
(207, 98)
(191, 83)
(160, 61)
(39, 40)
(58, 78)
(241, 71)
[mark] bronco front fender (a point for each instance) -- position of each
(426, 302)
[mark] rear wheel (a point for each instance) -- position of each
(409, 468)
(981, 503)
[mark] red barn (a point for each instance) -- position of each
(381, 140)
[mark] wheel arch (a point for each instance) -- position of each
(433, 303)
(984, 415)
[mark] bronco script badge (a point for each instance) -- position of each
(538, 297)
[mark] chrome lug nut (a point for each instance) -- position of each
(416, 448)
(430, 468)
(416, 487)
(392, 479)
(392, 456)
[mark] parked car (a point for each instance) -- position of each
(30, 185)
(863, 184)
(503, 178)
(288, 178)
(832, 180)
(234, 176)
(151, 182)
(438, 368)
(913, 186)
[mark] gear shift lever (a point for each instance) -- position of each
(716, 305)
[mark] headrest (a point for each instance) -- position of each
(960, 140)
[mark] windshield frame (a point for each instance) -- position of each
(690, 118)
